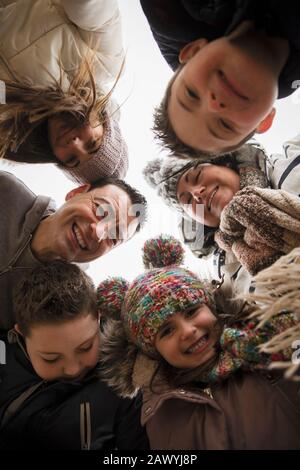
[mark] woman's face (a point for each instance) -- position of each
(204, 190)
(71, 145)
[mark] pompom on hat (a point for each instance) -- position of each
(110, 160)
(155, 295)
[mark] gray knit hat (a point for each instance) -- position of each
(111, 159)
(164, 174)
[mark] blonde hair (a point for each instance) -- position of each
(27, 107)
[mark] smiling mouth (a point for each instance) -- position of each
(231, 86)
(198, 346)
(78, 237)
(210, 199)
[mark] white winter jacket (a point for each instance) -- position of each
(36, 36)
(284, 169)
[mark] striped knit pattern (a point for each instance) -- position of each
(154, 296)
(240, 347)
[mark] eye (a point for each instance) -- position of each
(190, 313)
(50, 361)
(86, 349)
(191, 94)
(99, 212)
(165, 331)
(92, 146)
(72, 162)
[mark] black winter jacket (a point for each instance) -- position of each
(63, 415)
(175, 23)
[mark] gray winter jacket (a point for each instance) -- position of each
(21, 211)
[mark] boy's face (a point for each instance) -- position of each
(222, 94)
(204, 190)
(64, 351)
(187, 339)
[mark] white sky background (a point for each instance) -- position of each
(143, 84)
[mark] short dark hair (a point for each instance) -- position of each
(135, 196)
(166, 136)
(53, 292)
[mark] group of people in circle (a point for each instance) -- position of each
(174, 359)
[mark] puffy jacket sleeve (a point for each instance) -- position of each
(92, 15)
(284, 169)
(99, 23)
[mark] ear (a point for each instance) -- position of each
(190, 49)
(17, 328)
(266, 123)
(81, 189)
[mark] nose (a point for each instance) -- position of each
(72, 369)
(187, 329)
(76, 144)
(216, 101)
(99, 233)
(199, 194)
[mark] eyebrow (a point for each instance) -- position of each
(77, 347)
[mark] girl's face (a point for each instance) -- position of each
(186, 340)
(204, 190)
(64, 351)
(71, 145)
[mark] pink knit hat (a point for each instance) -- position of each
(111, 159)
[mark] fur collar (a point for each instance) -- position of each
(122, 366)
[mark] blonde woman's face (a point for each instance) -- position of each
(71, 145)
(64, 351)
(186, 340)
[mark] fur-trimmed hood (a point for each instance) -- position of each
(122, 366)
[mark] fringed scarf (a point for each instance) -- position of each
(260, 225)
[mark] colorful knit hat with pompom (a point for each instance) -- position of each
(155, 295)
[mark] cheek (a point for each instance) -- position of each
(46, 371)
(90, 358)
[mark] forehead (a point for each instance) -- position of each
(63, 335)
(112, 192)
(196, 167)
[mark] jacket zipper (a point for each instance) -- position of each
(85, 425)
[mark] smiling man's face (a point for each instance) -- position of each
(221, 95)
(88, 225)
